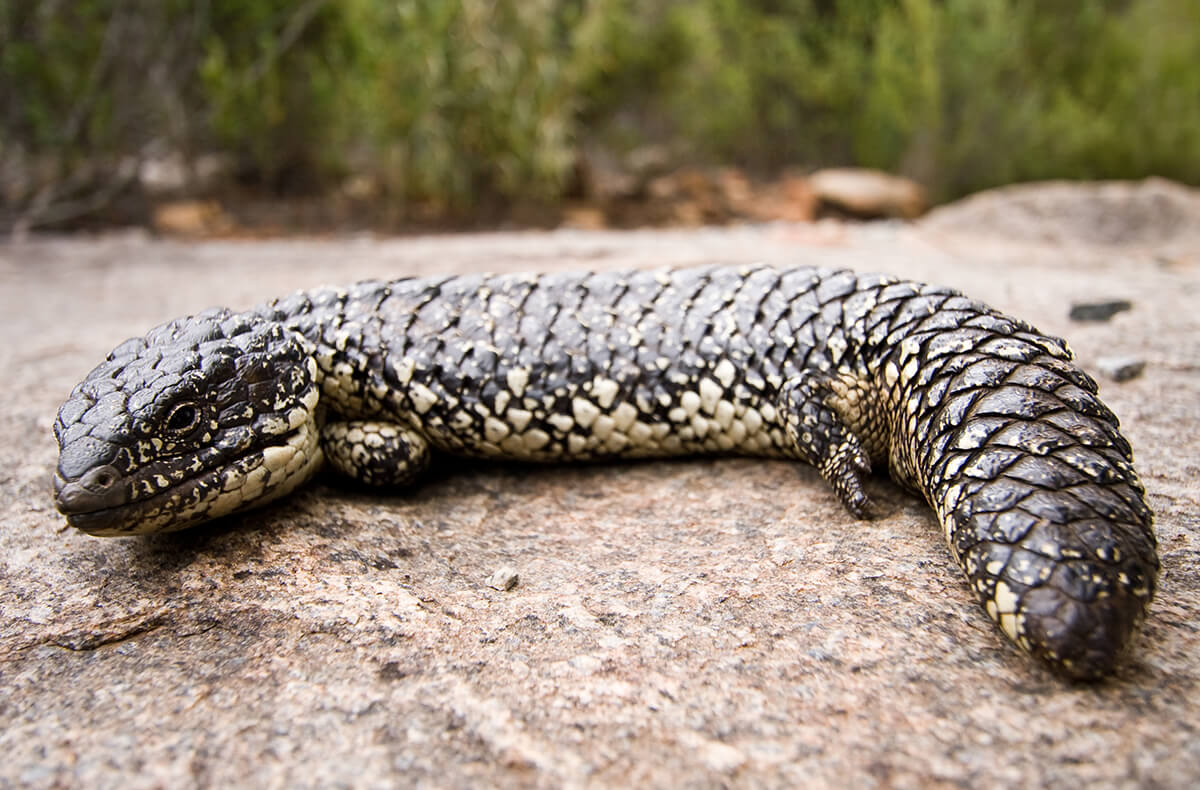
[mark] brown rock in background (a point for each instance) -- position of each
(788, 199)
(868, 194)
(191, 219)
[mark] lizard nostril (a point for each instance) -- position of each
(99, 479)
(98, 489)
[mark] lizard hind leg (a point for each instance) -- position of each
(376, 453)
(824, 439)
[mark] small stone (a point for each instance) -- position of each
(1099, 311)
(868, 193)
(1121, 368)
(504, 579)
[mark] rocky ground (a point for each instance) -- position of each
(694, 623)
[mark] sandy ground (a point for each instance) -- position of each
(702, 623)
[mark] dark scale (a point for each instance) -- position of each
(984, 417)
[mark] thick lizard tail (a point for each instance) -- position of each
(1031, 480)
(1063, 562)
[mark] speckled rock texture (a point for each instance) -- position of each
(719, 622)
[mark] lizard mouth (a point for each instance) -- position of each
(93, 515)
(100, 522)
(102, 502)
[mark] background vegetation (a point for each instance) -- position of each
(453, 103)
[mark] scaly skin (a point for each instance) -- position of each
(980, 414)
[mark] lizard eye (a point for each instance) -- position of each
(183, 418)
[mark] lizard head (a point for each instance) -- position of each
(202, 417)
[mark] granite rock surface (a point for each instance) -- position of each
(706, 623)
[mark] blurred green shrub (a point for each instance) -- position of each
(961, 94)
(272, 86)
(83, 85)
(453, 102)
(468, 99)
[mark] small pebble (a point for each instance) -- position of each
(504, 579)
(1121, 368)
(1099, 311)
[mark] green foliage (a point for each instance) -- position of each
(962, 94)
(451, 102)
(84, 84)
(467, 99)
(271, 75)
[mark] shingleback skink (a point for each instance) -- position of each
(981, 415)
